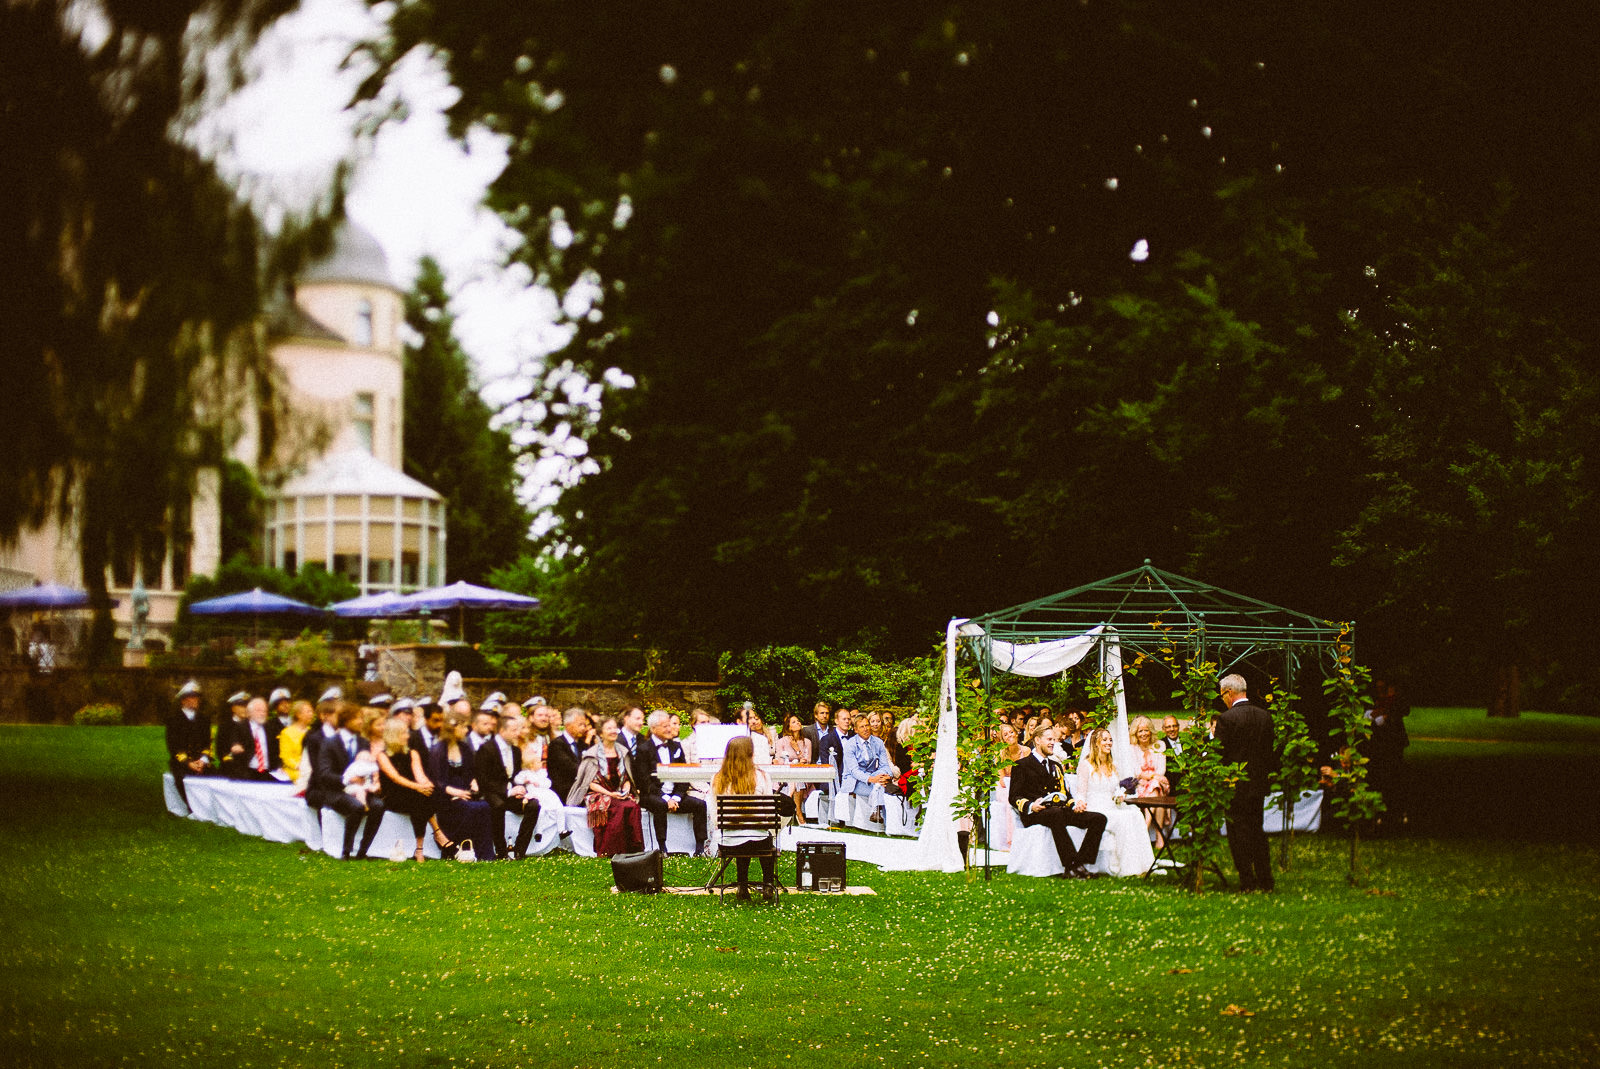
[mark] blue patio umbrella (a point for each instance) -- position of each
(254, 604)
(370, 606)
(462, 596)
(46, 596)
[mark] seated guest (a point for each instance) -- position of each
(535, 777)
(795, 749)
(831, 751)
(663, 748)
(260, 760)
(604, 786)
(1151, 770)
(1039, 795)
(485, 725)
(188, 739)
(1012, 751)
(233, 736)
(406, 786)
(327, 729)
(691, 751)
(740, 776)
(632, 733)
(282, 713)
(1070, 738)
(1099, 784)
(404, 710)
(542, 724)
(334, 755)
(1030, 729)
(761, 736)
(904, 734)
(292, 753)
(886, 731)
(460, 815)
(429, 720)
(566, 753)
(821, 717)
(497, 762)
(868, 772)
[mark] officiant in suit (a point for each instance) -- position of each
(1037, 777)
(1244, 731)
(661, 747)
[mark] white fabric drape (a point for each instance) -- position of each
(936, 848)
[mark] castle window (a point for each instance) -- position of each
(364, 332)
(365, 411)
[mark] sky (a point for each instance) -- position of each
(415, 189)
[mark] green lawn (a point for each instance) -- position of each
(136, 939)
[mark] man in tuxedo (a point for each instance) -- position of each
(1033, 780)
(188, 738)
(1174, 744)
(497, 763)
(663, 748)
(820, 718)
(278, 702)
(233, 737)
(334, 755)
(1244, 731)
(632, 732)
(566, 750)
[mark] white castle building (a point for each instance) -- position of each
(335, 494)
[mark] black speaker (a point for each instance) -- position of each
(819, 866)
(639, 873)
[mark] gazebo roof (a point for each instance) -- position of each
(354, 471)
(1150, 608)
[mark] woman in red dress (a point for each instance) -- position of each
(604, 786)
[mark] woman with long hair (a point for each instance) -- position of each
(461, 815)
(1152, 773)
(604, 786)
(739, 775)
(406, 787)
(1125, 848)
(291, 743)
(795, 749)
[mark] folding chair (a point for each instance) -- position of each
(744, 813)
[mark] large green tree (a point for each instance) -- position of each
(449, 441)
(130, 272)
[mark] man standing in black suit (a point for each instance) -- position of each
(1035, 780)
(497, 763)
(1244, 731)
(327, 782)
(566, 751)
(188, 738)
(663, 748)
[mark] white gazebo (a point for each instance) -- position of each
(359, 518)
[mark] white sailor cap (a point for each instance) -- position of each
(404, 705)
(239, 698)
(280, 695)
(381, 701)
(534, 702)
(187, 689)
(424, 702)
(332, 694)
(492, 703)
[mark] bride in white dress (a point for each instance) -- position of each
(1125, 849)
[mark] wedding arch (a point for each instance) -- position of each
(1145, 610)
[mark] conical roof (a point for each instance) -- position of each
(356, 257)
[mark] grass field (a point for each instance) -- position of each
(132, 938)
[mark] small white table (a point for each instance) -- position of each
(776, 773)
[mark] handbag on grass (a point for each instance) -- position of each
(639, 873)
(464, 851)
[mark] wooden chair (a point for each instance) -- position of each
(744, 813)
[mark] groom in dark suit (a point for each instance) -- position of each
(661, 747)
(1244, 731)
(1037, 777)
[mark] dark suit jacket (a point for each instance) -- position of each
(327, 773)
(1244, 732)
(493, 783)
(648, 760)
(561, 761)
(830, 749)
(1030, 780)
(230, 731)
(187, 739)
(810, 732)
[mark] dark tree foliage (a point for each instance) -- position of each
(868, 269)
(130, 270)
(448, 441)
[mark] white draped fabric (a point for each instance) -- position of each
(935, 848)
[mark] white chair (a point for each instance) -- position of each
(1033, 853)
(174, 800)
(579, 838)
(899, 817)
(680, 832)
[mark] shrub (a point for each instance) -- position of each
(298, 656)
(779, 679)
(98, 715)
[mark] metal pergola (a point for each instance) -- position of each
(1152, 610)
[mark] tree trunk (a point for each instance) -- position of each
(1505, 690)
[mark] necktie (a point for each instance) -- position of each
(505, 756)
(350, 747)
(260, 762)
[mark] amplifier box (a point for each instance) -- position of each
(819, 866)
